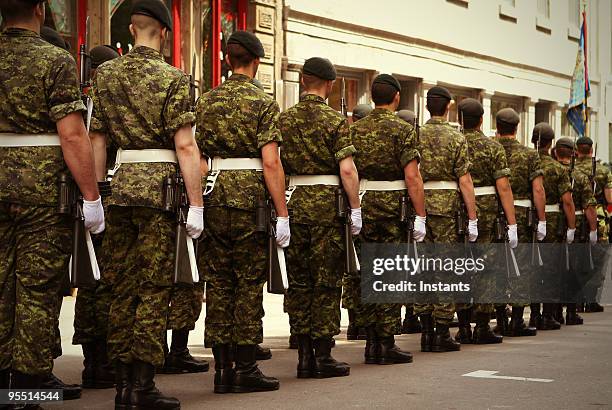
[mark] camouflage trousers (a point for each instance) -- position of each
(350, 291)
(140, 270)
(185, 306)
(315, 270)
(233, 263)
(385, 317)
(34, 253)
(440, 229)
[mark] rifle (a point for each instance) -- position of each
(343, 212)
(532, 217)
(501, 236)
(343, 107)
(185, 250)
(85, 75)
(407, 221)
(265, 221)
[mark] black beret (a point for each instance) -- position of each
(53, 37)
(469, 107)
(320, 67)
(155, 9)
(389, 80)
(584, 141)
(249, 41)
(102, 54)
(439, 92)
(542, 132)
(565, 142)
(362, 110)
(407, 115)
(507, 116)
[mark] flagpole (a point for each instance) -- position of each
(587, 123)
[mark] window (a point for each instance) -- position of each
(498, 103)
(544, 8)
(507, 10)
(61, 16)
(352, 93)
(543, 112)
(574, 13)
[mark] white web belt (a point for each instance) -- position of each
(10, 140)
(366, 185)
(484, 190)
(522, 203)
(441, 185)
(140, 156)
(309, 180)
(552, 209)
(218, 164)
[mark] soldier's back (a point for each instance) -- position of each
(556, 179)
(524, 164)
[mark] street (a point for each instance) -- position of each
(572, 369)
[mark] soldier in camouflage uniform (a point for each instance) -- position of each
(444, 161)
(316, 142)
(143, 103)
(585, 203)
(34, 240)
(603, 195)
(560, 204)
(237, 122)
(387, 148)
(489, 169)
(527, 182)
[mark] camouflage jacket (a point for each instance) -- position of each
(582, 193)
(386, 144)
(524, 164)
(444, 157)
(235, 120)
(315, 138)
(140, 102)
(556, 183)
(488, 164)
(38, 87)
(603, 176)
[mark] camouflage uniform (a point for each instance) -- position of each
(556, 184)
(488, 164)
(444, 157)
(40, 80)
(386, 144)
(140, 102)
(235, 120)
(603, 180)
(315, 139)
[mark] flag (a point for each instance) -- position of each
(581, 87)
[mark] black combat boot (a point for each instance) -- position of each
(548, 322)
(22, 381)
(52, 382)
(324, 364)
(144, 394)
(97, 373)
(305, 357)
(501, 317)
(517, 325)
(572, 317)
(247, 376)
(224, 371)
(293, 344)
(483, 333)
(390, 353)
(443, 341)
(593, 308)
(179, 360)
(5, 379)
(464, 334)
(535, 317)
(427, 334)
(411, 322)
(123, 385)
(372, 348)
(262, 353)
(352, 331)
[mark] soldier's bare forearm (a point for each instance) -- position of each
(608, 194)
(414, 185)
(539, 197)
(506, 198)
(466, 186)
(569, 209)
(350, 181)
(188, 156)
(78, 154)
(274, 176)
(591, 216)
(98, 143)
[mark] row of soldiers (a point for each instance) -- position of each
(143, 115)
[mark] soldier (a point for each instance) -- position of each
(389, 164)
(490, 174)
(237, 128)
(603, 195)
(445, 169)
(318, 155)
(527, 181)
(93, 304)
(153, 137)
(361, 111)
(41, 140)
(407, 115)
(585, 206)
(559, 204)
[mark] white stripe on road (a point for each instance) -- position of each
(491, 374)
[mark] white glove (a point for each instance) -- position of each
(419, 228)
(94, 216)
(593, 237)
(569, 236)
(283, 233)
(473, 230)
(512, 236)
(541, 232)
(195, 221)
(356, 221)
